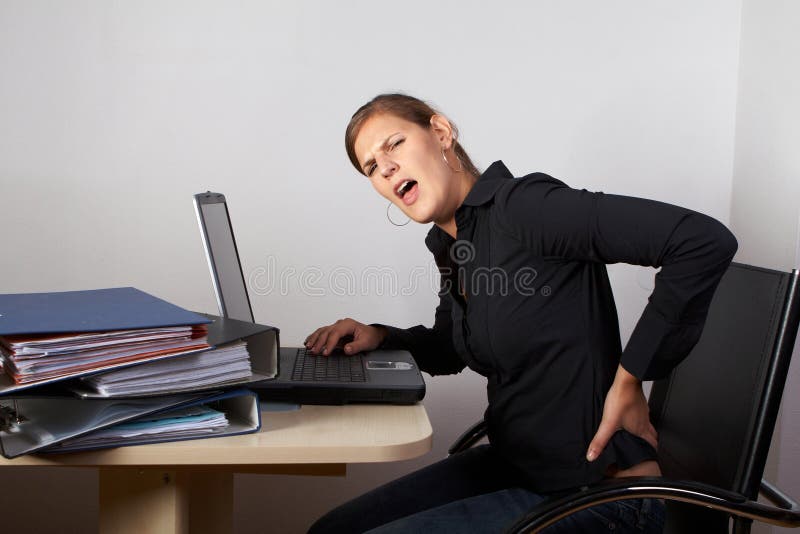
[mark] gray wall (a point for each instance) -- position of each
(113, 114)
(765, 204)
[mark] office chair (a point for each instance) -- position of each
(715, 414)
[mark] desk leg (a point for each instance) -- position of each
(180, 501)
(135, 501)
(211, 498)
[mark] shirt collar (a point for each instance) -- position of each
(487, 185)
(437, 240)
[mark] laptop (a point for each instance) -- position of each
(384, 376)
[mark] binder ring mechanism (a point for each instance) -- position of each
(10, 418)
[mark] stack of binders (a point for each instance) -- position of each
(111, 367)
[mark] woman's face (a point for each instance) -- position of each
(404, 163)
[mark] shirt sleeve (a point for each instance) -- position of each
(693, 251)
(432, 348)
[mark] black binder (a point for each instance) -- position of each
(41, 424)
(263, 346)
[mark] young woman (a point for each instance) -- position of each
(526, 302)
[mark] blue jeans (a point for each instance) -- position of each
(475, 491)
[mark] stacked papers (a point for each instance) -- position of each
(47, 337)
(32, 358)
(225, 365)
(182, 423)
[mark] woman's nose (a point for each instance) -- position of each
(388, 167)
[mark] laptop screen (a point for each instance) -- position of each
(223, 258)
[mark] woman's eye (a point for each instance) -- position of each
(371, 169)
(396, 144)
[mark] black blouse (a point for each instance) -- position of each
(526, 301)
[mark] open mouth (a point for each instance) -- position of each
(405, 187)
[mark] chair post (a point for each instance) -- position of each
(773, 389)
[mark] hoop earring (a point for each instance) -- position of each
(390, 217)
(460, 163)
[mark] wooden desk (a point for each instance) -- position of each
(175, 487)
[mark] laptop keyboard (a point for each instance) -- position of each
(312, 368)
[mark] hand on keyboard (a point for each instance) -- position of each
(348, 334)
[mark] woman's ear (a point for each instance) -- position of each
(443, 131)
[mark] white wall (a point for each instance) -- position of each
(113, 114)
(765, 206)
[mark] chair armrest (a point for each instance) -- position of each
(660, 488)
(471, 436)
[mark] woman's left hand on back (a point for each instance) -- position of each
(625, 408)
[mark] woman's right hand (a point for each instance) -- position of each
(359, 337)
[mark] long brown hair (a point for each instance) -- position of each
(408, 108)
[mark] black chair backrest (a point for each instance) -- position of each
(716, 412)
